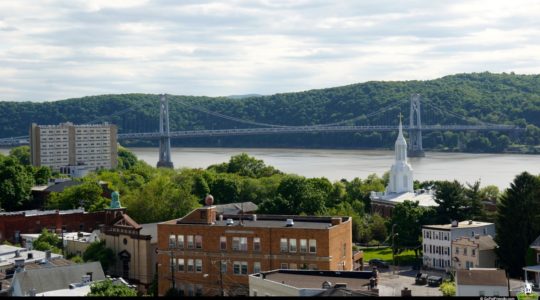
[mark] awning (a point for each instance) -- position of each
(532, 268)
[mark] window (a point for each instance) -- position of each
(181, 265)
(198, 265)
(292, 245)
(198, 290)
(172, 241)
(190, 265)
(284, 266)
(223, 266)
(190, 242)
(243, 244)
(173, 262)
(198, 242)
(457, 250)
(283, 245)
(256, 267)
(425, 247)
(223, 243)
(312, 246)
(473, 252)
(464, 251)
(256, 244)
(485, 233)
(180, 243)
(293, 266)
(344, 249)
(313, 267)
(481, 293)
(236, 243)
(303, 245)
(240, 267)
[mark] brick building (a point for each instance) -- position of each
(12, 224)
(193, 249)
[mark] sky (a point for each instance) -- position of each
(58, 49)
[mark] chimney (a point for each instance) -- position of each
(455, 223)
(48, 255)
(470, 222)
(290, 222)
(254, 217)
(221, 217)
(86, 279)
(17, 253)
(30, 255)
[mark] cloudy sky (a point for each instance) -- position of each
(72, 48)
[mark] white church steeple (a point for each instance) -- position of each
(401, 173)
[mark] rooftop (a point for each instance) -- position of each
(8, 255)
(462, 224)
(425, 199)
(485, 242)
(35, 212)
(481, 276)
(150, 229)
(236, 208)
(302, 279)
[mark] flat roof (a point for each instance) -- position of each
(35, 212)
(424, 199)
(274, 224)
(462, 224)
(303, 279)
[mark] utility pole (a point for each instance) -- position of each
(394, 246)
(172, 270)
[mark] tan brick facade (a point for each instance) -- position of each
(333, 249)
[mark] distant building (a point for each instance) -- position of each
(296, 283)
(74, 149)
(482, 282)
(202, 252)
(75, 243)
(27, 282)
(236, 208)
(474, 252)
(11, 256)
(437, 241)
(400, 185)
(13, 224)
(41, 193)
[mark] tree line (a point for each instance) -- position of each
(484, 97)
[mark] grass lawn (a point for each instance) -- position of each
(402, 259)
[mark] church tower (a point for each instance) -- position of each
(401, 173)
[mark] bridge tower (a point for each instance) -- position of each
(415, 129)
(164, 135)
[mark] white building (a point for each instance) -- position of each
(400, 185)
(437, 241)
(10, 256)
(482, 282)
(67, 147)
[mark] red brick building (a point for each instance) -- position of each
(193, 249)
(12, 224)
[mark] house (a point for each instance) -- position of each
(481, 282)
(203, 253)
(74, 242)
(535, 269)
(295, 283)
(34, 281)
(437, 241)
(10, 256)
(474, 252)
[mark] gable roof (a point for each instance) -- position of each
(54, 278)
(490, 277)
(486, 242)
(536, 242)
(126, 221)
(61, 186)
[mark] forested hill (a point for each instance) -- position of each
(493, 98)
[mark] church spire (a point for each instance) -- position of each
(401, 179)
(401, 144)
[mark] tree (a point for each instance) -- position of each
(474, 199)
(126, 158)
(408, 217)
(21, 154)
(48, 241)
(108, 289)
(245, 165)
(16, 181)
(378, 228)
(448, 288)
(517, 223)
(87, 195)
(42, 175)
(452, 201)
(97, 251)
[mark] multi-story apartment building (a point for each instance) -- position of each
(437, 240)
(474, 252)
(200, 254)
(65, 147)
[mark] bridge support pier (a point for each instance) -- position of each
(415, 129)
(165, 138)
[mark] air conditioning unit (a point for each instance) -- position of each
(290, 222)
(230, 222)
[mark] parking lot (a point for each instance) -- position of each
(391, 284)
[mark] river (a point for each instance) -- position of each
(490, 169)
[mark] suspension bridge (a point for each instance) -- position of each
(362, 123)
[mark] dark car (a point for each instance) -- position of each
(421, 278)
(434, 280)
(379, 263)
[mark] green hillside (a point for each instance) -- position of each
(493, 98)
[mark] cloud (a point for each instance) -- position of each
(73, 48)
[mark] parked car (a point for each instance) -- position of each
(379, 263)
(421, 278)
(434, 280)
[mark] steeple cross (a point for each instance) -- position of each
(400, 116)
